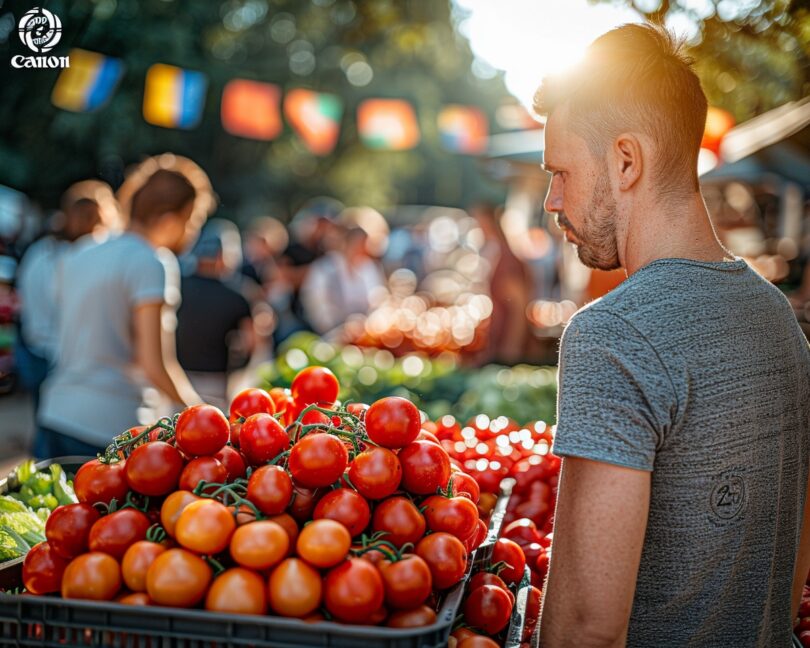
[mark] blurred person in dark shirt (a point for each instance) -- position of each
(215, 333)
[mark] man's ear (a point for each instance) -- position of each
(628, 159)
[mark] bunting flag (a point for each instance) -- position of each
(387, 124)
(173, 97)
(252, 109)
(315, 117)
(463, 129)
(88, 83)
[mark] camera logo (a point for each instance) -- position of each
(40, 31)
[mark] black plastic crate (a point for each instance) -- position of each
(49, 620)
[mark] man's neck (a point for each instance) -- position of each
(682, 231)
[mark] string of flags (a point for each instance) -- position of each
(175, 97)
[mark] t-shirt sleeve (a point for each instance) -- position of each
(615, 399)
(155, 278)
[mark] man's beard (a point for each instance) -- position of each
(596, 242)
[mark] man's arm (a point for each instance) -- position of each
(803, 558)
(155, 355)
(599, 528)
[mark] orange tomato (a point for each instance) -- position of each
(205, 526)
(178, 578)
(295, 589)
(136, 562)
(95, 576)
(324, 543)
(238, 591)
(260, 545)
(173, 506)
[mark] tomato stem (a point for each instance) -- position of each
(156, 534)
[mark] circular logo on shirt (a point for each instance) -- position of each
(40, 30)
(728, 496)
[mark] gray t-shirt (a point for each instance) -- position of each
(95, 390)
(699, 373)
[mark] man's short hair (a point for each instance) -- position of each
(635, 78)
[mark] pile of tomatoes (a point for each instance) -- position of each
(294, 505)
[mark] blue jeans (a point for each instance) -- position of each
(49, 443)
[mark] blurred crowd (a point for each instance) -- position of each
(131, 304)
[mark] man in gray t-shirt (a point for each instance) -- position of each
(684, 402)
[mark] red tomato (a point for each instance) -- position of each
(466, 486)
(345, 506)
(318, 459)
(510, 553)
(68, 527)
(281, 398)
(237, 591)
(154, 468)
(522, 531)
(400, 519)
(115, 533)
(323, 543)
(353, 591)
(262, 438)
(101, 482)
(205, 526)
(477, 641)
(488, 608)
(413, 618)
(200, 469)
(408, 582)
(233, 461)
(446, 557)
(455, 515)
(375, 473)
(260, 545)
(42, 569)
(303, 502)
(236, 430)
(178, 578)
(201, 430)
(532, 612)
(172, 507)
(295, 589)
(315, 385)
(251, 401)
(425, 467)
(137, 560)
(488, 578)
(393, 422)
(95, 576)
(358, 409)
(541, 564)
(270, 489)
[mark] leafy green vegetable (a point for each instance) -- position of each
(25, 470)
(20, 528)
(41, 483)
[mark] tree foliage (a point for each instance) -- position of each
(411, 49)
(751, 55)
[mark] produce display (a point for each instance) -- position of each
(31, 497)
(294, 505)
(438, 385)
(802, 627)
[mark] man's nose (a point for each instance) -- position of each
(554, 197)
